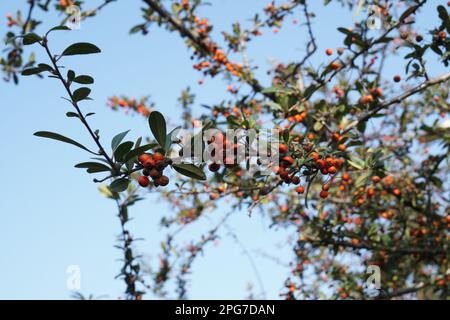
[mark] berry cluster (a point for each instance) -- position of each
(130, 104)
(11, 20)
(154, 165)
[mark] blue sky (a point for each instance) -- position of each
(52, 214)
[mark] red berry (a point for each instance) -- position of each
(397, 78)
(143, 181)
(329, 52)
(162, 181)
(323, 194)
(155, 173)
(214, 167)
(282, 148)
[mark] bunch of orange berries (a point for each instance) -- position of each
(11, 20)
(154, 165)
(65, 3)
(129, 104)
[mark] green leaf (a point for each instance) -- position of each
(59, 28)
(70, 75)
(45, 67)
(443, 14)
(56, 136)
(138, 151)
(81, 94)
(93, 167)
(357, 163)
(31, 38)
(189, 170)
(158, 127)
(80, 48)
(122, 150)
(119, 185)
(72, 115)
(31, 71)
(84, 79)
(118, 139)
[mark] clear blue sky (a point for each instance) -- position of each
(52, 215)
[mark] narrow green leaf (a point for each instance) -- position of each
(93, 167)
(158, 127)
(31, 71)
(56, 136)
(58, 28)
(45, 67)
(83, 79)
(189, 170)
(80, 48)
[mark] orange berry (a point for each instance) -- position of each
(282, 148)
(332, 170)
(300, 189)
(346, 177)
(335, 65)
(342, 147)
(158, 157)
(326, 187)
(329, 52)
(144, 157)
(376, 179)
(288, 160)
(389, 180)
(143, 181)
(397, 192)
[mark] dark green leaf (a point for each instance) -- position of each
(138, 151)
(31, 71)
(191, 171)
(93, 167)
(80, 48)
(158, 127)
(119, 185)
(72, 115)
(84, 79)
(118, 139)
(122, 150)
(58, 28)
(31, 38)
(70, 75)
(81, 94)
(56, 136)
(45, 67)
